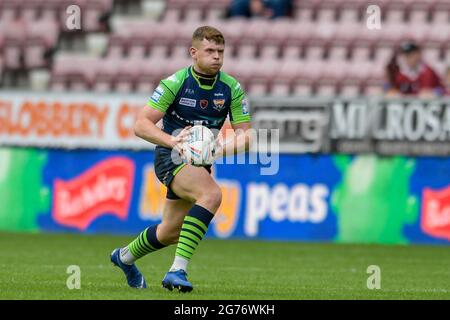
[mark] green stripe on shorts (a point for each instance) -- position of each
(177, 169)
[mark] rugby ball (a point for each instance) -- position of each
(199, 148)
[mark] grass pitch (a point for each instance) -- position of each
(34, 266)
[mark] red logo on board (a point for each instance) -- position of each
(103, 189)
(436, 213)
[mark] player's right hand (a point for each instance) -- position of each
(180, 139)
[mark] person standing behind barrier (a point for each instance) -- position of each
(408, 74)
(269, 9)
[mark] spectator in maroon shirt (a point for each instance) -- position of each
(270, 9)
(408, 74)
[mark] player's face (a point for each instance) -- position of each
(208, 56)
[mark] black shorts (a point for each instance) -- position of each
(166, 168)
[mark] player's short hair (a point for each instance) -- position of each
(208, 33)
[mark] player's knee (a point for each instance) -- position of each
(212, 198)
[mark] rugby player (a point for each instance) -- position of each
(198, 94)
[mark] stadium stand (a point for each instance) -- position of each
(128, 46)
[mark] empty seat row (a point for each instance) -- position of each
(303, 87)
(27, 43)
(335, 51)
(289, 76)
(94, 71)
(91, 11)
(140, 38)
(325, 48)
(281, 31)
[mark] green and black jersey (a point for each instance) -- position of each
(188, 98)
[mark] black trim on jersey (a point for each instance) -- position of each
(242, 94)
(206, 76)
(168, 89)
(204, 79)
(206, 82)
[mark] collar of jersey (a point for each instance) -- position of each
(198, 81)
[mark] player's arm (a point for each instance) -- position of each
(239, 142)
(145, 128)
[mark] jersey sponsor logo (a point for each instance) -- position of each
(219, 104)
(218, 94)
(203, 103)
(244, 106)
(155, 97)
(103, 189)
(211, 122)
(189, 91)
(157, 94)
(188, 102)
(159, 89)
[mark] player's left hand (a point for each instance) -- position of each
(217, 150)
